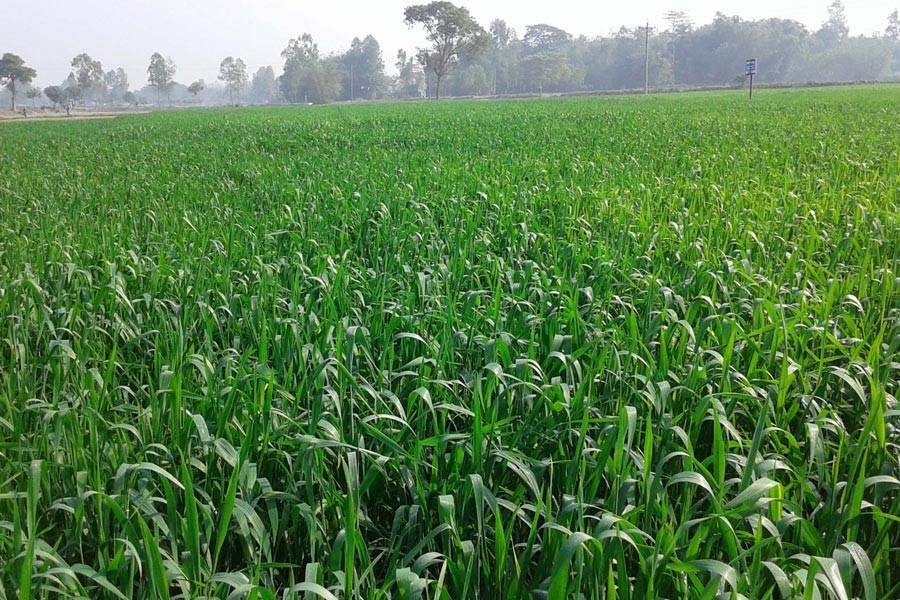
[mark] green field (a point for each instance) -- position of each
(624, 348)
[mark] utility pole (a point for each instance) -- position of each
(351, 82)
(647, 59)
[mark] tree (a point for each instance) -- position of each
(410, 78)
(33, 93)
(893, 27)
(307, 77)
(196, 87)
(13, 71)
(55, 94)
(503, 55)
(549, 72)
(450, 29)
(88, 74)
(263, 86)
(363, 69)
(160, 74)
(71, 90)
(116, 83)
(233, 73)
(545, 38)
(679, 22)
(681, 25)
(835, 28)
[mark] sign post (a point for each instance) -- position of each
(750, 70)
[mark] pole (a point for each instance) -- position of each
(751, 86)
(351, 82)
(647, 59)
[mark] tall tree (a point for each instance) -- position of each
(410, 78)
(307, 77)
(502, 55)
(233, 73)
(13, 71)
(160, 74)
(450, 30)
(681, 25)
(89, 74)
(116, 83)
(363, 69)
(834, 29)
(263, 86)
(893, 27)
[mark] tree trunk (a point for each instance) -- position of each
(12, 89)
(437, 87)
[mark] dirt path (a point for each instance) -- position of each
(9, 118)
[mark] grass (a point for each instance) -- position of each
(598, 348)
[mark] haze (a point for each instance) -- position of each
(197, 34)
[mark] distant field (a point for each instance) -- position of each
(623, 347)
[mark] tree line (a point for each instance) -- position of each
(462, 58)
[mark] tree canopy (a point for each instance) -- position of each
(160, 74)
(233, 73)
(13, 71)
(450, 30)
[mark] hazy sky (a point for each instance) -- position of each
(197, 34)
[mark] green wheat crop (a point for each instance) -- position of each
(569, 348)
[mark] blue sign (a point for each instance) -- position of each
(751, 67)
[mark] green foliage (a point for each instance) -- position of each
(307, 77)
(88, 75)
(233, 73)
(621, 348)
(160, 74)
(13, 71)
(451, 32)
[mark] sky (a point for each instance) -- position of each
(198, 34)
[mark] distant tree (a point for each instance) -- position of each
(549, 72)
(501, 34)
(410, 78)
(893, 27)
(301, 50)
(263, 86)
(54, 94)
(307, 77)
(89, 74)
(835, 29)
(196, 87)
(450, 30)
(679, 22)
(363, 68)
(129, 98)
(233, 73)
(161, 73)
(14, 71)
(503, 53)
(71, 90)
(545, 38)
(33, 93)
(116, 83)
(681, 25)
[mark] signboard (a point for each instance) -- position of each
(750, 69)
